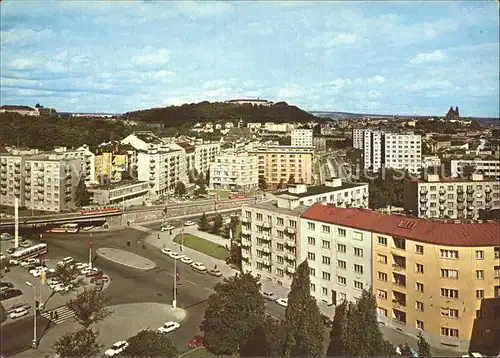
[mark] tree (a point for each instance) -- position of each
(193, 175)
(207, 176)
(291, 180)
(235, 254)
(82, 343)
(405, 351)
(262, 182)
(68, 276)
(81, 196)
(424, 348)
(303, 329)
(89, 307)
(148, 343)
(203, 224)
(180, 188)
(202, 188)
(281, 184)
(468, 170)
(217, 225)
(233, 312)
(265, 339)
(337, 345)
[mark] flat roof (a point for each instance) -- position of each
(322, 189)
(110, 186)
(273, 206)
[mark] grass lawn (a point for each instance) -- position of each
(207, 247)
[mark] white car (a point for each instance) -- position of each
(189, 223)
(37, 271)
(53, 283)
(282, 302)
(116, 348)
(198, 266)
(86, 270)
(2, 256)
(169, 327)
(167, 228)
(166, 251)
(29, 262)
(175, 255)
(186, 260)
(24, 244)
(60, 287)
(13, 262)
(18, 312)
(65, 261)
(81, 265)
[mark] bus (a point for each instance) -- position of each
(65, 228)
(28, 253)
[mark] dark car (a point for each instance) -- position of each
(5, 295)
(7, 284)
(195, 342)
(215, 273)
(11, 250)
(94, 273)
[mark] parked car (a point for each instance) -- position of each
(65, 261)
(18, 312)
(24, 244)
(7, 284)
(30, 262)
(11, 250)
(116, 349)
(166, 251)
(186, 260)
(31, 266)
(282, 302)
(198, 266)
(269, 296)
(2, 256)
(195, 342)
(8, 294)
(189, 223)
(327, 321)
(215, 273)
(99, 278)
(15, 306)
(169, 327)
(175, 255)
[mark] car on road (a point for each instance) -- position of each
(18, 312)
(94, 272)
(195, 342)
(86, 270)
(6, 237)
(6, 285)
(15, 306)
(30, 262)
(24, 244)
(60, 288)
(2, 256)
(166, 251)
(65, 261)
(11, 250)
(189, 223)
(282, 302)
(53, 283)
(198, 266)
(81, 265)
(99, 278)
(186, 260)
(269, 296)
(116, 349)
(31, 266)
(175, 255)
(169, 327)
(215, 273)
(37, 271)
(167, 227)
(11, 293)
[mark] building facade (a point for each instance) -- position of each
(204, 154)
(277, 164)
(119, 193)
(454, 199)
(428, 276)
(489, 168)
(234, 172)
(302, 138)
(319, 144)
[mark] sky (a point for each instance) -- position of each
(415, 58)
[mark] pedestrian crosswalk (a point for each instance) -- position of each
(59, 315)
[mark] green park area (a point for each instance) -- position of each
(207, 247)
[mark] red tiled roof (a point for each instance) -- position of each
(437, 233)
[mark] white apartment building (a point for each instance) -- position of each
(392, 150)
(454, 199)
(431, 161)
(235, 172)
(490, 168)
(204, 154)
(334, 192)
(357, 138)
(302, 138)
(87, 160)
(44, 182)
(339, 257)
(270, 239)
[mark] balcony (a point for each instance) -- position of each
(152, 165)
(290, 270)
(442, 199)
(487, 206)
(41, 168)
(442, 191)
(398, 303)
(266, 250)
(17, 185)
(41, 189)
(27, 180)
(67, 198)
(423, 208)
(398, 263)
(4, 170)
(17, 171)
(340, 200)
(470, 207)
(442, 208)
(488, 198)
(40, 197)
(470, 190)
(424, 200)
(17, 193)
(4, 185)
(27, 194)
(151, 178)
(245, 232)
(365, 195)
(266, 225)
(28, 169)
(17, 164)
(3, 191)
(460, 199)
(246, 243)
(17, 179)
(470, 199)
(290, 244)
(290, 257)
(246, 220)
(423, 191)
(290, 230)
(398, 280)
(487, 190)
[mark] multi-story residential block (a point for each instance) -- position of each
(339, 256)
(334, 191)
(236, 172)
(455, 199)
(441, 279)
(270, 239)
(489, 168)
(391, 150)
(319, 144)
(112, 161)
(122, 193)
(204, 154)
(87, 169)
(302, 138)
(278, 163)
(190, 156)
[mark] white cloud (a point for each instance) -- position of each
(343, 39)
(377, 80)
(22, 64)
(424, 57)
(157, 57)
(23, 36)
(202, 8)
(429, 84)
(290, 91)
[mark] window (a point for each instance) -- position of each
(479, 294)
(292, 223)
(313, 287)
(419, 286)
(312, 272)
(449, 332)
(356, 235)
(419, 249)
(381, 294)
(326, 229)
(358, 252)
(382, 259)
(326, 260)
(279, 221)
(311, 226)
(381, 311)
(419, 306)
(341, 248)
(419, 268)
(358, 285)
(311, 240)
(479, 314)
(325, 244)
(280, 259)
(480, 274)
(449, 293)
(449, 312)
(382, 240)
(382, 276)
(358, 269)
(341, 264)
(497, 252)
(324, 291)
(341, 280)
(341, 232)
(451, 274)
(479, 255)
(280, 246)
(280, 272)
(259, 217)
(420, 325)
(311, 256)
(448, 254)
(326, 276)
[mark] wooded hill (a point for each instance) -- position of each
(189, 114)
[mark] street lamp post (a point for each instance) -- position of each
(34, 343)
(174, 300)
(90, 250)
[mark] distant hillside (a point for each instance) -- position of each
(189, 114)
